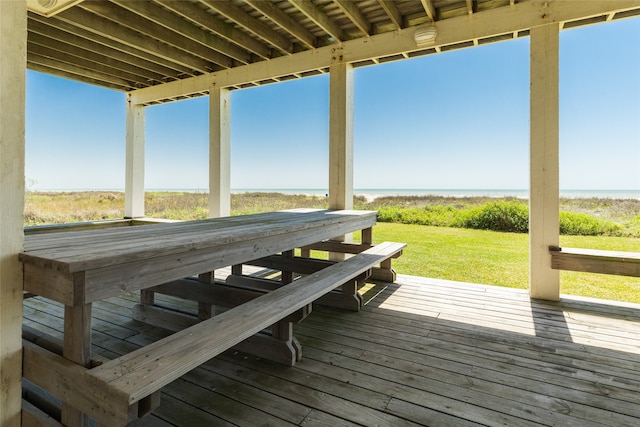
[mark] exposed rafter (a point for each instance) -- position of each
(140, 24)
(470, 6)
(88, 21)
(181, 29)
(73, 70)
(156, 42)
(453, 33)
(55, 27)
(353, 13)
(319, 18)
(251, 24)
(228, 32)
(57, 39)
(429, 9)
(42, 45)
(391, 9)
(293, 27)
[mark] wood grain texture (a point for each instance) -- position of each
(421, 352)
(596, 261)
(142, 372)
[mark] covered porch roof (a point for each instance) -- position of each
(133, 45)
(160, 51)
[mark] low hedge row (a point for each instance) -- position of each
(502, 215)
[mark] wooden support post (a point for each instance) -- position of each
(13, 68)
(77, 348)
(219, 152)
(340, 133)
(134, 172)
(367, 236)
(544, 205)
(340, 139)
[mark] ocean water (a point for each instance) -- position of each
(372, 193)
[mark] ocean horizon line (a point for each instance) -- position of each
(372, 193)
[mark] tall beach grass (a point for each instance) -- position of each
(490, 248)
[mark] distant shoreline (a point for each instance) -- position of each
(374, 193)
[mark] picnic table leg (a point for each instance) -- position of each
(147, 297)
(385, 272)
(347, 296)
(205, 310)
(367, 236)
(77, 348)
(287, 276)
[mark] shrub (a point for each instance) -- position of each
(582, 224)
(504, 215)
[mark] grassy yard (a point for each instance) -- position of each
(495, 258)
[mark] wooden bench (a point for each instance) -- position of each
(595, 261)
(120, 390)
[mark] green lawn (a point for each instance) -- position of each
(494, 258)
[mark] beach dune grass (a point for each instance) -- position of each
(435, 249)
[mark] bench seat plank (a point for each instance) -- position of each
(146, 370)
(596, 261)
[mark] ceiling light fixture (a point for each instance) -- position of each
(425, 35)
(50, 7)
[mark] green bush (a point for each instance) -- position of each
(582, 224)
(504, 215)
(440, 216)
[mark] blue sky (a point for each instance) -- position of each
(457, 120)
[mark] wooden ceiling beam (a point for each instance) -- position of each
(319, 18)
(429, 9)
(228, 32)
(350, 9)
(88, 21)
(470, 7)
(168, 20)
(37, 42)
(393, 13)
(87, 64)
(131, 20)
(110, 45)
(34, 66)
(451, 32)
(251, 24)
(62, 38)
(78, 71)
(286, 22)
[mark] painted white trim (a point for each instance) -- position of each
(134, 163)
(341, 135)
(544, 202)
(13, 69)
(219, 152)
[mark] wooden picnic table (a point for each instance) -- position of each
(77, 268)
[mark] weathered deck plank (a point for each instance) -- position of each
(421, 352)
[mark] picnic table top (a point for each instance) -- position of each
(72, 251)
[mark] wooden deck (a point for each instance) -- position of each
(422, 352)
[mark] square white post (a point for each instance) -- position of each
(13, 69)
(134, 167)
(544, 203)
(219, 152)
(340, 135)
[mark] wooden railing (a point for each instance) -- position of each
(595, 261)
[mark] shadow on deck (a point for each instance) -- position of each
(422, 352)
